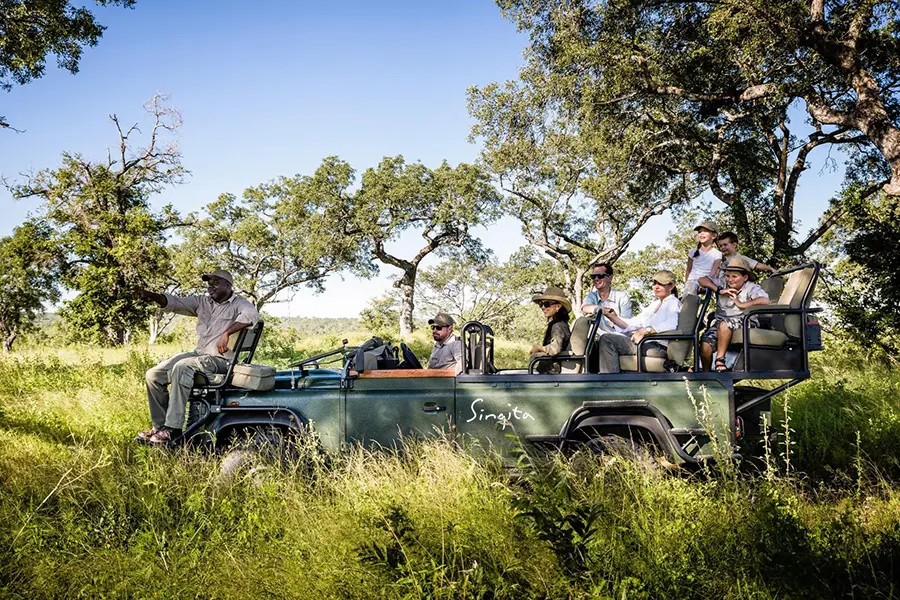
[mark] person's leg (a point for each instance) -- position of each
(724, 339)
(157, 379)
(707, 341)
(613, 345)
(183, 380)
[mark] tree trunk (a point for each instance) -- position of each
(407, 286)
(578, 289)
(153, 327)
(8, 340)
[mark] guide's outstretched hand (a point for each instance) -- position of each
(142, 294)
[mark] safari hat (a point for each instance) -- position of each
(442, 319)
(553, 293)
(221, 274)
(708, 225)
(738, 264)
(664, 277)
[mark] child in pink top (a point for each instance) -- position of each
(705, 260)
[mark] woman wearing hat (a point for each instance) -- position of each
(660, 315)
(556, 308)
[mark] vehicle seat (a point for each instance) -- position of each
(784, 327)
(679, 350)
(244, 344)
(578, 341)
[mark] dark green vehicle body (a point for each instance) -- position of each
(689, 416)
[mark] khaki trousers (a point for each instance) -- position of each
(167, 406)
(613, 345)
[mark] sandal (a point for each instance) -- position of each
(163, 436)
(146, 435)
(721, 365)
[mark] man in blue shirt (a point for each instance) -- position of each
(604, 296)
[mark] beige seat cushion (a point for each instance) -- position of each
(761, 337)
(215, 379)
(651, 364)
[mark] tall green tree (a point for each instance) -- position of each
(278, 236)
(441, 205)
(28, 279)
(102, 221)
(708, 87)
(863, 292)
(30, 30)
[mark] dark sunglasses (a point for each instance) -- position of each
(438, 327)
(600, 275)
(547, 303)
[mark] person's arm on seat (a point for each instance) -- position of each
(222, 345)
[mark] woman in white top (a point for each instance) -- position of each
(660, 315)
(703, 261)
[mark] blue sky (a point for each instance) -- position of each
(270, 88)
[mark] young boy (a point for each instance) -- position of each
(739, 294)
(727, 243)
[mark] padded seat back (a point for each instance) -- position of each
(792, 296)
(578, 342)
(773, 286)
(687, 321)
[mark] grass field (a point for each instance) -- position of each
(84, 512)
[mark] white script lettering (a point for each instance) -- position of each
(505, 419)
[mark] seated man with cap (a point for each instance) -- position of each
(731, 309)
(447, 353)
(220, 313)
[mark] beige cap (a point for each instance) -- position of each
(221, 274)
(553, 293)
(708, 225)
(664, 277)
(442, 319)
(738, 264)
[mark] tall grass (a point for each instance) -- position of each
(86, 513)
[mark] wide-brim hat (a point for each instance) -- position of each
(664, 277)
(553, 293)
(738, 264)
(708, 225)
(220, 274)
(442, 319)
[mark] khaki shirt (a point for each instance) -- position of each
(213, 318)
(447, 355)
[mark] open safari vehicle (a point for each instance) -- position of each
(375, 396)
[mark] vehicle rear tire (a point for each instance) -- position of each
(636, 450)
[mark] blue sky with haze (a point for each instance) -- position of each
(269, 88)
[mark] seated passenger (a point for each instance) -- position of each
(556, 308)
(660, 315)
(602, 295)
(731, 307)
(447, 353)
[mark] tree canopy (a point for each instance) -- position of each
(30, 30)
(103, 224)
(441, 205)
(704, 90)
(28, 279)
(277, 236)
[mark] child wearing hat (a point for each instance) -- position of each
(731, 310)
(704, 260)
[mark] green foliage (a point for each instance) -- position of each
(865, 296)
(441, 204)
(103, 225)
(630, 102)
(481, 289)
(279, 236)
(27, 280)
(33, 29)
(381, 316)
